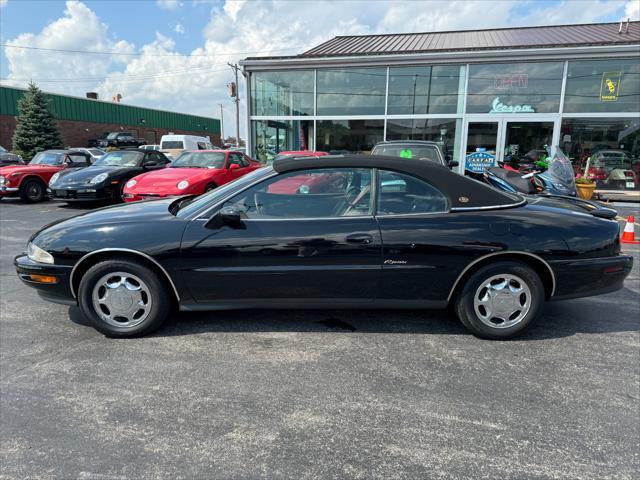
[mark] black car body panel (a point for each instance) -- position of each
(399, 261)
(76, 186)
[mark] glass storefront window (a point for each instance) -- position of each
(613, 144)
(282, 93)
(445, 132)
(270, 137)
(424, 90)
(358, 91)
(348, 136)
(507, 88)
(603, 86)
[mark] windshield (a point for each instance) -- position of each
(199, 160)
(119, 159)
(172, 145)
(561, 172)
(418, 152)
(96, 152)
(113, 135)
(47, 158)
(2, 149)
(209, 199)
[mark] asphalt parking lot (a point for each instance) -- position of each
(314, 394)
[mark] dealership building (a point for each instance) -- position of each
(498, 94)
(82, 119)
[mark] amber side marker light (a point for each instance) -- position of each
(43, 278)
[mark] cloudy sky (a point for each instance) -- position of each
(172, 54)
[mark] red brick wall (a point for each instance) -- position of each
(77, 134)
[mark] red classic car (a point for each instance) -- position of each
(194, 172)
(30, 181)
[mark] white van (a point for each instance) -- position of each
(174, 145)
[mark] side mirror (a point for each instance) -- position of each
(234, 166)
(453, 163)
(230, 216)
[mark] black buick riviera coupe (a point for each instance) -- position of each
(329, 232)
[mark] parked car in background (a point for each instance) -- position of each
(150, 147)
(298, 153)
(174, 145)
(29, 182)
(193, 173)
(95, 153)
(434, 239)
(106, 178)
(614, 169)
(120, 140)
(8, 158)
(95, 142)
(413, 149)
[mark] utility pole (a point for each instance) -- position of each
(233, 91)
(221, 125)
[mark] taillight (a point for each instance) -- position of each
(628, 174)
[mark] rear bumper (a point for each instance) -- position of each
(59, 292)
(588, 277)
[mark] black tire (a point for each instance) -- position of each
(158, 293)
(491, 328)
(32, 191)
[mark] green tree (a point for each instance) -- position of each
(36, 129)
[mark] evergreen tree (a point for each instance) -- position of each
(36, 129)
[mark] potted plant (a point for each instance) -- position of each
(585, 185)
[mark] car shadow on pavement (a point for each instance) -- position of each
(559, 319)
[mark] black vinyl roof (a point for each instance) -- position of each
(463, 192)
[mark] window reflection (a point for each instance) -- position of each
(424, 89)
(445, 132)
(282, 93)
(271, 137)
(348, 136)
(515, 88)
(351, 92)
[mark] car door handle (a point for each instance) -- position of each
(364, 238)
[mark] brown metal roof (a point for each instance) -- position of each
(499, 38)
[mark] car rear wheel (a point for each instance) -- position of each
(32, 191)
(500, 300)
(123, 298)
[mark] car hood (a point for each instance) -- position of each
(169, 177)
(12, 169)
(85, 174)
(109, 227)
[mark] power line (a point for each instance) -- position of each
(94, 52)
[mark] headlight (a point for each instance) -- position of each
(131, 183)
(54, 179)
(37, 254)
(98, 178)
(2, 180)
(182, 185)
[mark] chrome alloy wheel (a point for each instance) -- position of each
(121, 299)
(502, 301)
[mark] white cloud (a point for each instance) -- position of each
(195, 82)
(78, 29)
(169, 4)
(179, 28)
(632, 10)
(3, 3)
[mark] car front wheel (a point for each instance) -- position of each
(123, 298)
(32, 191)
(500, 300)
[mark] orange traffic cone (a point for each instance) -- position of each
(628, 235)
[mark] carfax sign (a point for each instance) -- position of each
(478, 162)
(610, 86)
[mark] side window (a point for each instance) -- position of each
(243, 161)
(336, 192)
(400, 194)
(201, 146)
(77, 159)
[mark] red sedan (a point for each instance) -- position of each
(194, 172)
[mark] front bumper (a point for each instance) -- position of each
(82, 194)
(588, 277)
(59, 292)
(8, 191)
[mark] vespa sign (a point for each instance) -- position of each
(498, 107)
